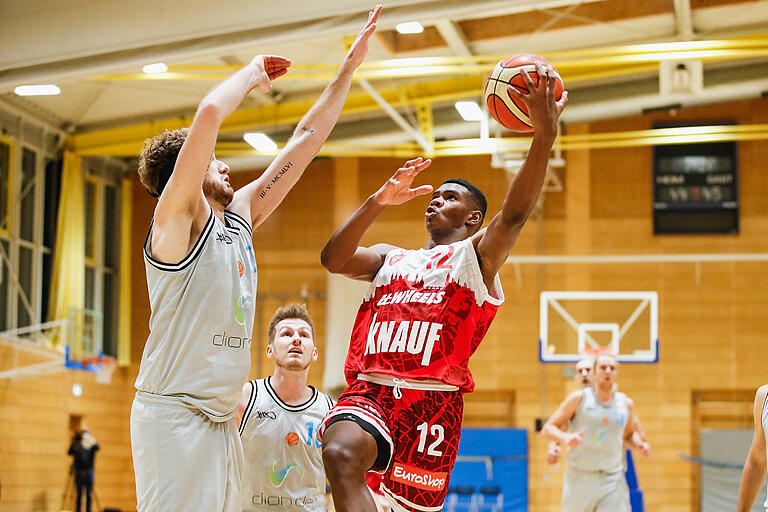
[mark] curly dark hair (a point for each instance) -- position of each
(158, 157)
(293, 310)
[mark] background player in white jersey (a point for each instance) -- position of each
(425, 314)
(280, 416)
(755, 466)
(601, 422)
(583, 377)
(201, 274)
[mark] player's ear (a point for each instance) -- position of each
(270, 351)
(475, 218)
(314, 354)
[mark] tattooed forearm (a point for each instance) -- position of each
(307, 129)
(275, 179)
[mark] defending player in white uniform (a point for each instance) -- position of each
(201, 274)
(280, 417)
(754, 468)
(600, 422)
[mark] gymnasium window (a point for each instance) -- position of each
(22, 247)
(102, 252)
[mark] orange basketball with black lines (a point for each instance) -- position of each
(508, 111)
(292, 439)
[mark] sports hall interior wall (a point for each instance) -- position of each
(712, 325)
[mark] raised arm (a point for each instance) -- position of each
(494, 243)
(554, 428)
(342, 253)
(258, 199)
(755, 466)
(182, 201)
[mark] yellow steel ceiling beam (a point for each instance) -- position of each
(569, 62)
(100, 142)
(634, 138)
(575, 66)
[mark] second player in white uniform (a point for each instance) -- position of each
(280, 418)
(600, 422)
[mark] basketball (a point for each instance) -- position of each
(292, 439)
(508, 111)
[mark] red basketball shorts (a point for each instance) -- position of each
(417, 435)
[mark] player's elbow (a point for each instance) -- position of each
(756, 463)
(209, 111)
(331, 264)
(306, 139)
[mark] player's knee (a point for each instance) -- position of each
(341, 459)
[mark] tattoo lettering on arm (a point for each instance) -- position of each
(307, 129)
(275, 179)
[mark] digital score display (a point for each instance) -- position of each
(695, 188)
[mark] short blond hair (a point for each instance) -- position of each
(604, 354)
(293, 310)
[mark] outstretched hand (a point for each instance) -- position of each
(268, 68)
(543, 108)
(397, 189)
(359, 48)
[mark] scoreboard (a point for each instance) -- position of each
(695, 188)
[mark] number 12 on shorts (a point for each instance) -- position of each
(437, 431)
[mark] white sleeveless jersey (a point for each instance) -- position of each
(764, 418)
(198, 350)
(283, 459)
(602, 447)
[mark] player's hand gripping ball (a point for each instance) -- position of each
(511, 112)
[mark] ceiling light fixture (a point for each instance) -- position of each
(411, 27)
(157, 67)
(469, 110)
(260, 142)
(37, 90)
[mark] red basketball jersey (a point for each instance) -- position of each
(423, 316)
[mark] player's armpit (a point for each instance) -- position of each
(365, 262)
(172, 234)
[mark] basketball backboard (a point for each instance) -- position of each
(572, 324)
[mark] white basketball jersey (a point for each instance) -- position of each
(283, 459)
(602, 446)
(199, 346)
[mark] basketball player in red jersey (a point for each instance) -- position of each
(424, 315)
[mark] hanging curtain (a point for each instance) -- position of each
(68, 279)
